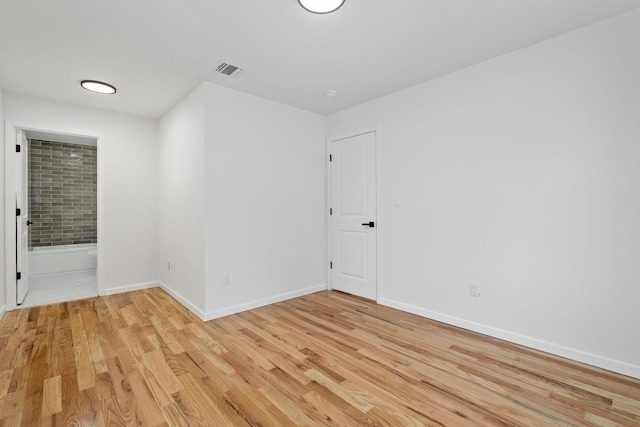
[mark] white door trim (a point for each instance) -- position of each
(10, 203)
(330, 140)
(10, 215)
(22, 222)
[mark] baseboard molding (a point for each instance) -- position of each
(262, 302)
(129, 288)
(240, 307)
(182, 300)
(3, 310)
(548, 347)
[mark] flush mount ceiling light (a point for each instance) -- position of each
(321, 6)
(98, 87)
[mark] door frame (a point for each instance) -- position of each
(330, 140)
(22, 221)
(10, 130)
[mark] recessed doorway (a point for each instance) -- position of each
(54, 176)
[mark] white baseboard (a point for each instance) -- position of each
(182, 300)
(262, 302)
(548, 347)
(240, 307)
(3, 310)
(129, 288)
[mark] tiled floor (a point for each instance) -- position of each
(56, 288)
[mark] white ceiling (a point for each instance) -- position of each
(157, 51)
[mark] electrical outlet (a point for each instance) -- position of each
(226, 280)
(474, 290)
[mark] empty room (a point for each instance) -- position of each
(320, 213)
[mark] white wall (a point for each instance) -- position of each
(130, 157)
(520, 174)
(182, 201)
(242, 192)
(2, 275)
(265, 201)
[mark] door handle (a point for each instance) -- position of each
(369, 224)
(29, 222)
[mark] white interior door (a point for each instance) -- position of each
(354, 216)
(22, 220)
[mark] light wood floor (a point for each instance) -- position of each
(325, 359)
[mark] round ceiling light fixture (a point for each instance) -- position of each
(321, 6)
(98, 87)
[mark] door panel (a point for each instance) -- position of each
(22, 227)
(353, 193)
(353, 254)
(352, 160)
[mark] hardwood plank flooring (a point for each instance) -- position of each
(326, 359)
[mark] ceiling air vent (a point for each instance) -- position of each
(228, 69)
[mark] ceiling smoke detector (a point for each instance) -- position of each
(330, 94)
(228, 69)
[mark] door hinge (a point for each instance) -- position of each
(331, 265)
(330, 211)
(18, 275)
(17, 148)
(330, 158)
(18, 212)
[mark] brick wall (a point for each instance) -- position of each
(62, 193)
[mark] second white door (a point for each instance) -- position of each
(353, 219)
(22, 218)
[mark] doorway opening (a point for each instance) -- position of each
(55, 181)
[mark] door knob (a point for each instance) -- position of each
(369, 224)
